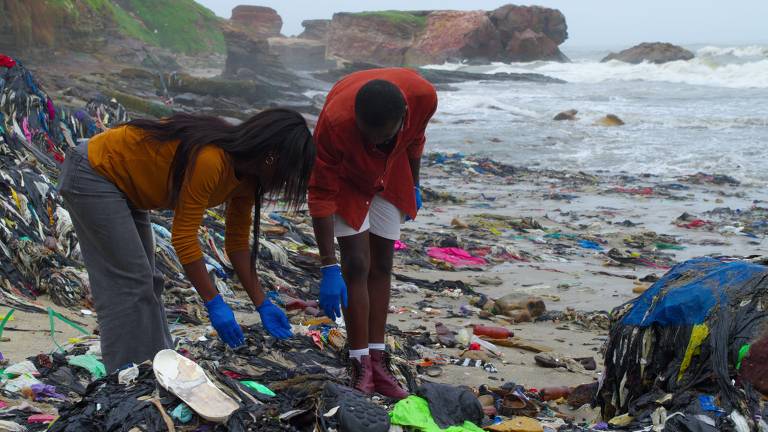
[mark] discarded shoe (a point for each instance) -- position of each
(361, 374)
(384, 381)
(517, 404)
(187, 380)
(489, 405)
(347, 410)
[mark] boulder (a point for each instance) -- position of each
(529, 45)
(753, 368)
(300, 54)
(566, 115)
(583, 394)
(455, 35)
(316, 29)
(259, 21)
(381, 38)
(530, 33)
(511, 19)
(610, 120)
(511, 303)
(246, 52)
(657, 53)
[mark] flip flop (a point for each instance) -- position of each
(188, 381)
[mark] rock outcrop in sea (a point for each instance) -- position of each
(656, 52)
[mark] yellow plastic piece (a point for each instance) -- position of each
(698, 335)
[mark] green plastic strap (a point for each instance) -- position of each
(261, 388)
(743, 352)
(5, 320)
(52, 314)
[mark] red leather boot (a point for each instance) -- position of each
(361, 374)
(384, 381)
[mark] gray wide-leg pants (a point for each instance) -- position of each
(118, 248)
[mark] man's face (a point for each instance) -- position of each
(380, 135)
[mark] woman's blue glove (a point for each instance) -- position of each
(333, 290)
(223, 320)
(274, 320)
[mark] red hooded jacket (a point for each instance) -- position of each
(347, 174)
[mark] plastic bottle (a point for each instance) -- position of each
(463, 337)
(554, 393)
(492, 332)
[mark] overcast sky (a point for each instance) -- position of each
(591, 23)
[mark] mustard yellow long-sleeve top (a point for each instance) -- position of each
(139, 167)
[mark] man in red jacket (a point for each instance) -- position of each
(369, 138)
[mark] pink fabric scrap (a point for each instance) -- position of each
(455, 256)
(51, 109)
(400, 245)
(41, 418)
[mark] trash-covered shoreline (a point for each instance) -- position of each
(504, 283)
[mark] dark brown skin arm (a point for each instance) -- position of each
(415, 169)
(198, 275)
(324, 236)
(241, 261)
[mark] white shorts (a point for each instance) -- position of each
(383, 219)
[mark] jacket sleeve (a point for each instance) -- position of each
(196, 191)
(427, 106)
(324, 183)
(239, 219)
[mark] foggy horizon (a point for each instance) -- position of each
(591, 23)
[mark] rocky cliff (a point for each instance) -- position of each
(395, 38)
(182, 26)
(258, 20)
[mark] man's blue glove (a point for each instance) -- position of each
(223, 320)
(419, 202)
(274, 320)
(333, 290)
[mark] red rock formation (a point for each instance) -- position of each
(247, 55)
(371, 38)
(259, 21)
(511, 19)
(455, 35)
(510, 33)
(316, 29)
(530, 33)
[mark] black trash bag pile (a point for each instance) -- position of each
(297, 371)
(676, 351)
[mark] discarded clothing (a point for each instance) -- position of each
(455, 256)
(413, 412)
(451, 405)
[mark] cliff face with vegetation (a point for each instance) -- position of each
(395, 38)
(182, 26)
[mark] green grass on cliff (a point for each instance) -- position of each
(180, 25)
(397, 17)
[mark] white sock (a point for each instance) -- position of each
(377, 346)
(358, 354)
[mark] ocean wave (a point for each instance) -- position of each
(751, 51)
(713, 66)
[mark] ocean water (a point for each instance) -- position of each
(709, 114)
